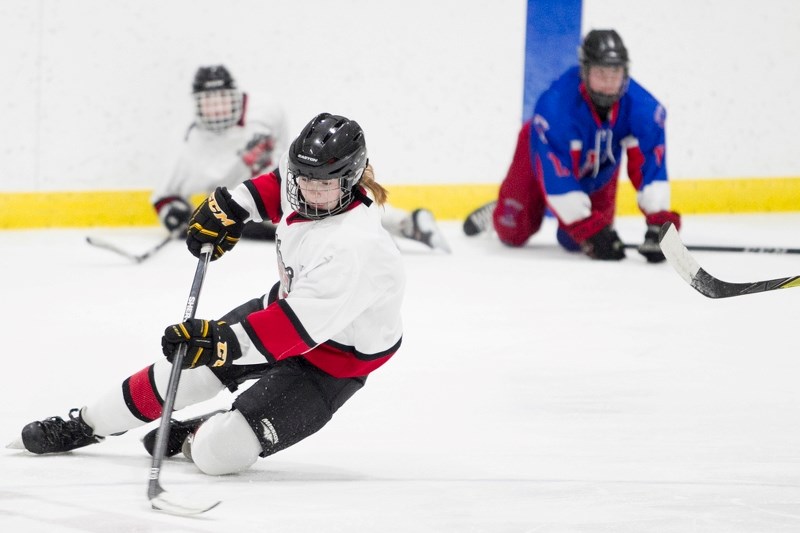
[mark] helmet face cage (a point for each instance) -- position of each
(218, 110)
(345, 186)
(603, 48)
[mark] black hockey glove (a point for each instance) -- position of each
(257, 154)
(219, 220)
(174, 213)
(210, 343)
(650, 248)
(605, 245)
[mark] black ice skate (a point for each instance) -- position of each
(421, 226)
(179, 431)
(56, 435)
(479, 220)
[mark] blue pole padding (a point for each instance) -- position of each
(551, 45)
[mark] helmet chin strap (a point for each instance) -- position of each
(603, 101)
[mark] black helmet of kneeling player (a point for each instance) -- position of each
(325, 165)
(603, 48)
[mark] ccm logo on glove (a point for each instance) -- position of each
(209, 343)
(218, 213)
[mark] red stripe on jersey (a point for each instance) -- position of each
(342, 364)
(279, 334)
(658, 151)
(164, 201)
(635, 164)
(144, 397)
(560, 170)
(268, 188)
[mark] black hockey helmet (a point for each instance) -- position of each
(212, 78)
(330, 147)
(603, 48)
(219, 104)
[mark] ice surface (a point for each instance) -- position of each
(535, 391)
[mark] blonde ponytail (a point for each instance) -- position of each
(368, 182)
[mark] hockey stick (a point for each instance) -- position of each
(160, 499)
(745, 249)
(684, 264)
(100, 243)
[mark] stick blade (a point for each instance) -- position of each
(681, 260)
(167, 503)
(677, 254)
(684, 264)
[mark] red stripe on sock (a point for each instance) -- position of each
(144, 397)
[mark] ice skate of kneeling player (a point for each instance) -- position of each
(333, 318)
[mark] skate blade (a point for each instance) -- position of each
(427, 224)
(16, 444)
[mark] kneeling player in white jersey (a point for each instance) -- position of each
(234, 137)
(309, 344)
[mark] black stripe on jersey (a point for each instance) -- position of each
(298, 326)
(243, 118)
(257, 342)
(364, 356)
(262, 210)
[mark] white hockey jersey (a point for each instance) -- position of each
(211, 159)
(341, 288)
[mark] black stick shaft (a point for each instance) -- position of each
(742, 249)
(154, 487)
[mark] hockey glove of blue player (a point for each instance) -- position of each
(173, 212)
(605, 245)
(219, 221)
(210, 343)
(650, 248)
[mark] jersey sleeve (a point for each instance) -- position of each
(261, 197)
(646, 151)
(552, 159)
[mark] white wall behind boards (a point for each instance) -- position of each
(96, 94)
(728, 72)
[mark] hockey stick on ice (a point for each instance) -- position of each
(745, 249)
(684, 264)
(160, 499)
(100, 243)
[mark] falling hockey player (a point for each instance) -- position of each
(307, 346)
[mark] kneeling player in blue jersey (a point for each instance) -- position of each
(568, 159)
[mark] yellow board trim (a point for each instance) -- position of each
(24, 210)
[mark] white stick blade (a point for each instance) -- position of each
(676, 253)
(166, 503)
